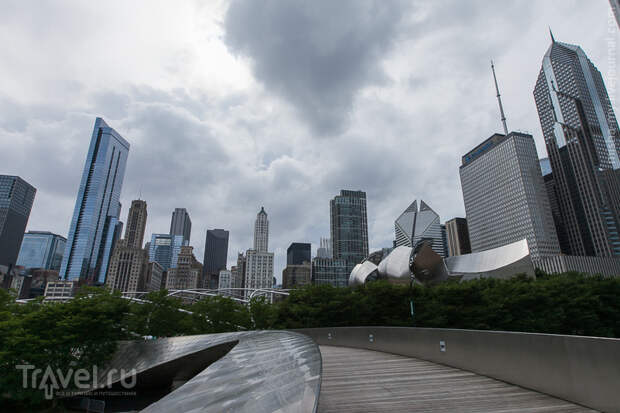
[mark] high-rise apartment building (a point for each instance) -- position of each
(505, 197)
(583, 143)
(94, 225)
(41, 249)
(16, 199)
(129, 263)
(457, 237)
(297, 253)
(414, 225)
(164, 249)
(349, 227)
(261, 231)
(216, 256)
(180, 224)
(259, 262)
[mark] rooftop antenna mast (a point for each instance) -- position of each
(499, 100)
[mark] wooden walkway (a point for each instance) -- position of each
(357, 380)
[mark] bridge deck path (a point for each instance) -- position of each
(356, 380)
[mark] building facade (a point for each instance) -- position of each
(181, 224)
(332, 271)
(583, 143)
(128, 267)
(297, 253)
(16, 199)
(261, 231)
(414, 225)
(349, 227)
(552, 194)
(187, 273)
(136, 224)
(259, 262)
(41, 249)
(297, 275)
(258, 270)
(154, 277)
(505, 196)
(94, 225)
(215, 256)
(457, 237)
(164, 249)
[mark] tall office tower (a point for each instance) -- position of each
(457, 236)
(215, 257)
(261, 231)
(349, 227)
(583, 144)
(259, 262)
(94, 225)
(164, 249)
(325, 248)
(413, 226)
(180, 224)
(16, 198)
(297, 275)
(136, 224)
(552, 194)
(297, 253)
(505, 197)
(41, 249)
(128, 269)
(186, 274)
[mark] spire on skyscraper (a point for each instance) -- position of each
(551, 34)
(499, 100)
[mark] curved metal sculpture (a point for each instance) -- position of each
(423, 264)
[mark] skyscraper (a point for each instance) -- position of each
(41, 249)
(297, 253)
(187, 272)
(216, 255)
(505, 197)
(583, 144)
(413, 226)
(97, 207)
(16, 198)
(164, 249)
(325, 248)
(259, 262)
(261, 231)
(136, 224)
(129, 263)
(180, 224)
(457, 236)
(552, 194)
(349, 227)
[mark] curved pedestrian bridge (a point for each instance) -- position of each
(357, 380)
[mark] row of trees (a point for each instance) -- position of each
(84, 331)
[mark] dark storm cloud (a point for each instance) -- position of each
(315, 54)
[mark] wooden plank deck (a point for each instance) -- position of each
(356, 380)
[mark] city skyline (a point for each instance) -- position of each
(272, 172)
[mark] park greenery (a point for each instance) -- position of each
(85, 331)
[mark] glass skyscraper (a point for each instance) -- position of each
(42, 249)
(16, 198)
(181, 224)
(95, 223)
(349, 227)
(297, 253)
(583, 144)
(164, 249)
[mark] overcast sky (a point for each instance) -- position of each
(230, 105)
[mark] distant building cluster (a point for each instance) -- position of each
(565, 206)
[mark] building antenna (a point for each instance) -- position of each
(499, 100)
